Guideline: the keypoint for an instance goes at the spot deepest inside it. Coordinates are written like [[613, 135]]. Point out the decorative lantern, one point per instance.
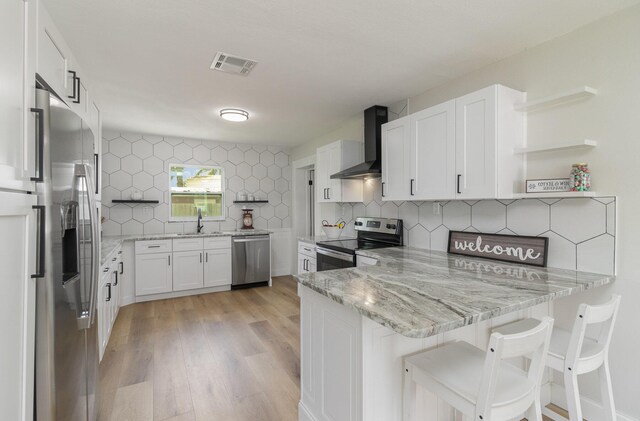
[[247, 219]]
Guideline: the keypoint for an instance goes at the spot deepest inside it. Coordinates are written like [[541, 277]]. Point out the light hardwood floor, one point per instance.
[[222, 356], [228, 356]]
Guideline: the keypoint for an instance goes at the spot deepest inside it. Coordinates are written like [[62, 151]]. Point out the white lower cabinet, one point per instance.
[[187, 270], [109, 298], [306, 257], [331, 369], [217, 267], [154, 274], [103, 310], [185, 264], [306, 264]]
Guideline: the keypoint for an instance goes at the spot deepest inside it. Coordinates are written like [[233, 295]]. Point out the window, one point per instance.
[[194, 187]]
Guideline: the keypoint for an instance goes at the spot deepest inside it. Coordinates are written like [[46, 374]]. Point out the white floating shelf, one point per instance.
[[556, 195], [550, 101], [586, 143]]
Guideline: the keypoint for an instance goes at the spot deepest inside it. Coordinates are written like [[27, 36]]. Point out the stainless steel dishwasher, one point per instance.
[[251, 255]]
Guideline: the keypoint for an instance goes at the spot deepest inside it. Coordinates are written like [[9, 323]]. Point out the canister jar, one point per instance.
[[580, 177]]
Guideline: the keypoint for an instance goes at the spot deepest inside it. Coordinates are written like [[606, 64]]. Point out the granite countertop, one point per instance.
[[111, 242], [312, 239], [420, 293]]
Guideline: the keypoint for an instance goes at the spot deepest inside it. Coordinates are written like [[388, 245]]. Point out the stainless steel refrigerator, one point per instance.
[[66, 327]]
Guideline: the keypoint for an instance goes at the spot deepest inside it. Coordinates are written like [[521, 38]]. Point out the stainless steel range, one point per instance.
[[372, 233]]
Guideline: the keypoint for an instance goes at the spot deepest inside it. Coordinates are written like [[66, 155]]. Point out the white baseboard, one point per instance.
[[303, 413], [177, 294], [281, 271], [125, 301], [591, 410]]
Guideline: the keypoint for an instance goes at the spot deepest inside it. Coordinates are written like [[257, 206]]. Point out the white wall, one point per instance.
[[604, 55]]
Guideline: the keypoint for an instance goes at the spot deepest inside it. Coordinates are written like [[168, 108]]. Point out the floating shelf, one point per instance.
[[136, 202], [250, 201], [555, 195], [549, 101], [557, 147]]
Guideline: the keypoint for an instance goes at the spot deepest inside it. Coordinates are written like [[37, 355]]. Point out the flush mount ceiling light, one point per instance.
[[234, 114]]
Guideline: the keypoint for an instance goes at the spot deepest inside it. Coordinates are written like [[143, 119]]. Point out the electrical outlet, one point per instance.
[[436, 208]]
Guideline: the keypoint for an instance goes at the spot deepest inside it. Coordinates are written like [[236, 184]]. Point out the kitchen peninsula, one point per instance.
[[358, 323]]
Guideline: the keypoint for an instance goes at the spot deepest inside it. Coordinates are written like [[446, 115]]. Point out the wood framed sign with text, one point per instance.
[[548, 185], [507, 248]]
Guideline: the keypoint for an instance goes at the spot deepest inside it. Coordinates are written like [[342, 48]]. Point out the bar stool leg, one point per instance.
[[535, 411], [409, 396], [573, 396], [606, 392]]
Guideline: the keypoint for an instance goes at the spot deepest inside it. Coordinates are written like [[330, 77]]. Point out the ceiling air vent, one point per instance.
[[232, 64]]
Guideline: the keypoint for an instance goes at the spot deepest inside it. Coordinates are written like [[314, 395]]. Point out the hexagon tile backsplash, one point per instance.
[[581, 231], [140, 162]]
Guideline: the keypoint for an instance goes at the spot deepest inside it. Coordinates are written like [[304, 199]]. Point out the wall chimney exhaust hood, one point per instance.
[[374, 118]]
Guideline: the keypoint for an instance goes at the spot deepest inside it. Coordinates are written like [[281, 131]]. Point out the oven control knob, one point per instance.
[[358, 223], [391, 227]]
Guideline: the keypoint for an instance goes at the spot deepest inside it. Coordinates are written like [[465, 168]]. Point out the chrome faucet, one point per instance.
[[200, 226]]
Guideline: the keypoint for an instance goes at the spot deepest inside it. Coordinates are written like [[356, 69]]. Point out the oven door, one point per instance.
[[330, 259]]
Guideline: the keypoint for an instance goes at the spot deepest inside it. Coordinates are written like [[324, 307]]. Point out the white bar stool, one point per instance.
[[573, 353], [478, 383]]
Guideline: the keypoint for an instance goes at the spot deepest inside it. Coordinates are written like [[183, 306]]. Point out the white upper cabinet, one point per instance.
[[460, 149], [396, 149], [17, 160], [487, 131], [433, 152], [59, 69], [53, 56], [331, 159]]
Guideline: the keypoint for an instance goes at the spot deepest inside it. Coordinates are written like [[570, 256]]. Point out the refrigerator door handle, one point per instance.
[[83, 171]]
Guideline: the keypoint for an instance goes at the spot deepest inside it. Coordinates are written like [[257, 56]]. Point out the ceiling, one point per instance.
[[319, 62]]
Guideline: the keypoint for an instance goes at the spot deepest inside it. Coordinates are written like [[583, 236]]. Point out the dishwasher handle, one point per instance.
[[250, 240]]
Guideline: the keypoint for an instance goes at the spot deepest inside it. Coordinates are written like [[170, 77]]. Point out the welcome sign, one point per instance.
[[507, 248]]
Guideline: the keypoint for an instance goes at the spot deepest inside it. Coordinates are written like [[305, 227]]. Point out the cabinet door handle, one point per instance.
[[109, 289], [200, 257], [115, 272], [328, 193], [411, 187], [382, 184], [77, 100], [42, 224], [39, 144], [458, 184], [74, 93], [206, 257], [169, 257], [121, 268], [153, 247]]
